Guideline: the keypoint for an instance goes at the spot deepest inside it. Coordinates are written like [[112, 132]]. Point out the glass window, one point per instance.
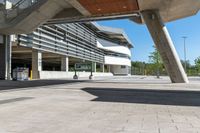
[[123, 67]]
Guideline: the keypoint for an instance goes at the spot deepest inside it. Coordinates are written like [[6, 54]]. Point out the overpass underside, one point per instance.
[[154, 13]]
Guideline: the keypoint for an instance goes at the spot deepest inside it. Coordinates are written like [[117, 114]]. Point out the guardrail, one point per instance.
[[17, 7]]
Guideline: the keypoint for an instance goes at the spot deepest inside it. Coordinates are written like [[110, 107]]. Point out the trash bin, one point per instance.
[[20, 74]]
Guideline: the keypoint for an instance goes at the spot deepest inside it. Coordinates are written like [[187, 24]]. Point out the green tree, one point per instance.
[[138, 68], [188, 65], [156, 60], [197, 63]]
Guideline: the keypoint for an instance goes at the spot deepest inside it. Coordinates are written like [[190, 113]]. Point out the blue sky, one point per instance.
[[143, 43]]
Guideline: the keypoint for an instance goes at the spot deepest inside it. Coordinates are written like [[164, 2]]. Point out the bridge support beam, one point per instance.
[[5, 57], [165, 46]]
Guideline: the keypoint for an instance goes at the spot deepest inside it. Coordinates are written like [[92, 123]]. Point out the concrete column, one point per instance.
[[94, 66], [36, 63], [5, 57], [64, 64], [165, 46], [109, 68], [103, 68], [8, 57]]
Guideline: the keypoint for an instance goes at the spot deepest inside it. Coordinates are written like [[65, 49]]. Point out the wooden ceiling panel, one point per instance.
[[100, 7]]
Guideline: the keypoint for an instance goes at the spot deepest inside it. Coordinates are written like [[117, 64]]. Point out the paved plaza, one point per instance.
[[136, 104]]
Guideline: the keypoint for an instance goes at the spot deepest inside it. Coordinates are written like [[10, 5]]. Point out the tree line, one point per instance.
[[156, 67]]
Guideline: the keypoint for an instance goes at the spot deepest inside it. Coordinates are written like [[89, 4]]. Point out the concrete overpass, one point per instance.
[[23, 18]]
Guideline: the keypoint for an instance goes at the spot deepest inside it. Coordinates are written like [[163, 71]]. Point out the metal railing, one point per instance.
[[17, 7], [19, 3]]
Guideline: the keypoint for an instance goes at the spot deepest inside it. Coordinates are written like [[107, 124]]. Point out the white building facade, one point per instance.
[[117, 47], [52, 51], [117, 58]]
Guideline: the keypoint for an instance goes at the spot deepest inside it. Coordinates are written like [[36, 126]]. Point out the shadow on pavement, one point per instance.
[[15, 100], [143, 96], [135, 82], [7, 85]]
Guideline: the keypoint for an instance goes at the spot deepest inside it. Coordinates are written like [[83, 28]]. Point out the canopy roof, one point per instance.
[[112, 33]]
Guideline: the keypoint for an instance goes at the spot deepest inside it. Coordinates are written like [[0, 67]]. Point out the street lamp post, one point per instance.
[[185, 56]]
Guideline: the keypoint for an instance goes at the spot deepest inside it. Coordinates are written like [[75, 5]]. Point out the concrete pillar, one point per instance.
[[94, 66], [103, 68], [165, 46], [109, 68], [36, 63], [64, 64], [5, 57], [8, 57]]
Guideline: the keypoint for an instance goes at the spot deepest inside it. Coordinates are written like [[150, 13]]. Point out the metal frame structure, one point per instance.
[[73, 40]]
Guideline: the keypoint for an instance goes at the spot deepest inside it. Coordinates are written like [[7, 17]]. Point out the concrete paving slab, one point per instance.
[[112, 105]]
